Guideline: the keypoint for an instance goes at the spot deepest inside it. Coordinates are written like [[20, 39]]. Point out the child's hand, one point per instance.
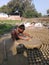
[[27, 39], [30, 36]]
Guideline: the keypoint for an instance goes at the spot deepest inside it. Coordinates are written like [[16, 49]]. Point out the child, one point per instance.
[[18, 33]]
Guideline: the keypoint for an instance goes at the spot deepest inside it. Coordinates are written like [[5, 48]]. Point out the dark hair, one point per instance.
[[22, 26]]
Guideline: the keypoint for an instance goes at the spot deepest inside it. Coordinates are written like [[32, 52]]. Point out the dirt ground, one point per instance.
[[7, 46]]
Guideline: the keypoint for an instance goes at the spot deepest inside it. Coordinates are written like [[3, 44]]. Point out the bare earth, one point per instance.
[[8, 49]]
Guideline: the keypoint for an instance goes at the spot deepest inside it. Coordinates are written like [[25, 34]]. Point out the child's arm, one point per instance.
[[23, 38], [12, 35], [26, 34]]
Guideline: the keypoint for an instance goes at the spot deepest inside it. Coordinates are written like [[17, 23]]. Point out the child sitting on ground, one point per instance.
[[18, 33]]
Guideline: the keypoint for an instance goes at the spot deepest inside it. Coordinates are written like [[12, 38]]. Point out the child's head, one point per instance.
[[21, 28]]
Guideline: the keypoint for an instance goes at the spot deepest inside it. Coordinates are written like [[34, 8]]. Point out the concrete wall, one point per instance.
[[24, 19], [11, 18], [35, 19]]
